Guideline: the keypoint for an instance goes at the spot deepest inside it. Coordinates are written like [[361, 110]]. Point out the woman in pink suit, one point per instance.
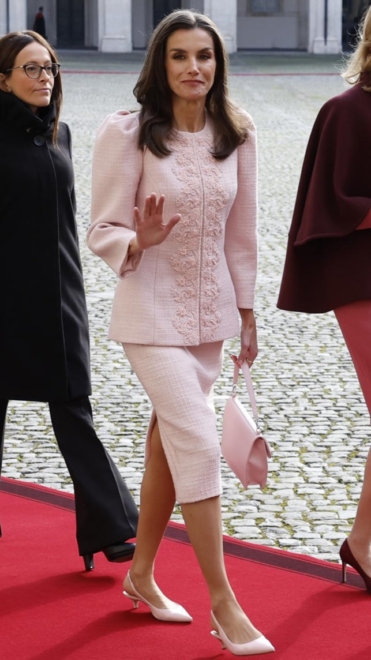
[[174, 214], [328, 261]]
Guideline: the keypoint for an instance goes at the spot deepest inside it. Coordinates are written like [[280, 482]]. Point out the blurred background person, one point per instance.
[[39, 24]]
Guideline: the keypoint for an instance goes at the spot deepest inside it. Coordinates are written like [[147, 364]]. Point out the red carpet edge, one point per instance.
[[274, 557]]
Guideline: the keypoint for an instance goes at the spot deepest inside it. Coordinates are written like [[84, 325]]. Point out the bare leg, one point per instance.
[[204, 526], [360, 536], [157, 500], [354, 320]]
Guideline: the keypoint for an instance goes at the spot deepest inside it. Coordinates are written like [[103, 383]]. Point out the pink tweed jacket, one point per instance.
[[187, 290]]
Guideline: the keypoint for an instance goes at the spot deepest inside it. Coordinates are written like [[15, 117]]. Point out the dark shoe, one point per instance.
[[117, 552], [346, 557]]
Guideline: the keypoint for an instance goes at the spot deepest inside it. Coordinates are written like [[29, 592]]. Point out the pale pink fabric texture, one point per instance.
[[187, 290], [176, 303], [179, 381], [355, 323]]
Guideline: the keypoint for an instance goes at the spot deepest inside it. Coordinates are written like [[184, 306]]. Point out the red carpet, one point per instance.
[[50, 609]]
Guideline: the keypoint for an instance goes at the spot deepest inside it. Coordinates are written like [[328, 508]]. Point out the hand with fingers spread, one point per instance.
[[150, 226]]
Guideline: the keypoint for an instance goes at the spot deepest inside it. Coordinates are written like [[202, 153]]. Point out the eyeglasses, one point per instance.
[[34, 70]]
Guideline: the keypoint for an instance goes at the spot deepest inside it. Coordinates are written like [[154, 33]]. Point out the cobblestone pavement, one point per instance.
[[308, 393]]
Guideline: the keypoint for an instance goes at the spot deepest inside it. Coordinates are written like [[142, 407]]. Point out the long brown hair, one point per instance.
[[359, 62], [153, 93], [12, 44]]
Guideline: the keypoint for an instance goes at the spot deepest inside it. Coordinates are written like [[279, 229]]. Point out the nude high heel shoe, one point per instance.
[[256, 647], [175, 613]]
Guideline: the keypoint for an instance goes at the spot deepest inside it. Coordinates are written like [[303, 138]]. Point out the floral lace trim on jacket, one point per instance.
[[199, 234]]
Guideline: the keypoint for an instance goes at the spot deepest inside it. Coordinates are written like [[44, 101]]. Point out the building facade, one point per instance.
[[316, 26]]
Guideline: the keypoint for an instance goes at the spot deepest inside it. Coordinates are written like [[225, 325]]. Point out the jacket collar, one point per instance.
[[17, 113]]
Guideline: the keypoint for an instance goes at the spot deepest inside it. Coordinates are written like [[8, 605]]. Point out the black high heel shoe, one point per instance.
[[346, 557], [117, 552]]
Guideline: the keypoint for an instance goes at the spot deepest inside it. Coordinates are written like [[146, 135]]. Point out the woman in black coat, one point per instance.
[[44, 340]]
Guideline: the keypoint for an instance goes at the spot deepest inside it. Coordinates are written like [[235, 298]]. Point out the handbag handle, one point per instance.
[[250, 388]]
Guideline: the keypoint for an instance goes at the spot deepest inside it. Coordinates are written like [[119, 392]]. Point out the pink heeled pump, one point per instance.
[[175, 613], [255, 647]]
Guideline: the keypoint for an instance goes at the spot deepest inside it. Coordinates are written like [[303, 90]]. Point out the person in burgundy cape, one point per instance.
[[328, 261]]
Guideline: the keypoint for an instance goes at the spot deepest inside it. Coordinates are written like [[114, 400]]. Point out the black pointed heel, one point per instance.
[[117, 552], [88, 561], [347, 557]]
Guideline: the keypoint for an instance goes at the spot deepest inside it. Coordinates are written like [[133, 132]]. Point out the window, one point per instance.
[[265, 6]]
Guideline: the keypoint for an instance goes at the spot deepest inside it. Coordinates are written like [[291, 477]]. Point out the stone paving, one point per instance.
[[314, 413]]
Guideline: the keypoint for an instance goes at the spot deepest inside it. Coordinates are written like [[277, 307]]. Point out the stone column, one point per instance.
[[325, 32], [13, 15], [224, 14], [115, 26]]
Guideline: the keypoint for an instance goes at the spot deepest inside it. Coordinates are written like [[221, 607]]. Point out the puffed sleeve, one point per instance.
[[241, 228], [117, 168]]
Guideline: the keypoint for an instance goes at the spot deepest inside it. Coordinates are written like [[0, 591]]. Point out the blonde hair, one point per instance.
[[359, 62]]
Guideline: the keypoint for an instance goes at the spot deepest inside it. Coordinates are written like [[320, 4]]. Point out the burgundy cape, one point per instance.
[[328, 262]]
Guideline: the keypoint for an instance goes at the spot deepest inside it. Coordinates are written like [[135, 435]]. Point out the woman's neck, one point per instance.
[[189, 116]]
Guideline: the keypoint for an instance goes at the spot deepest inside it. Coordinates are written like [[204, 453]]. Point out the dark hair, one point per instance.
[[153, 93], [12, 44]]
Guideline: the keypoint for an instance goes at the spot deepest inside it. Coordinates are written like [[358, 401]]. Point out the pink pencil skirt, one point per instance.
[[355, 323], [179, 382]]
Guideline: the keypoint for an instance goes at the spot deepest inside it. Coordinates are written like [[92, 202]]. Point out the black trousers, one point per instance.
[[105, 510]]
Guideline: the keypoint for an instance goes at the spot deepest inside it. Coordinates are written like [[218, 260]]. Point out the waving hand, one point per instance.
[[150, 226]]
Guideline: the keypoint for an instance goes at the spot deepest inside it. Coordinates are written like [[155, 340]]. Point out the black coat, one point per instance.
[[39, 24], [328, 261], [44, 340]]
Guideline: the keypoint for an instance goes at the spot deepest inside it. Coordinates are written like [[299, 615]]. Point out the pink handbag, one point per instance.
[[243, 446]]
